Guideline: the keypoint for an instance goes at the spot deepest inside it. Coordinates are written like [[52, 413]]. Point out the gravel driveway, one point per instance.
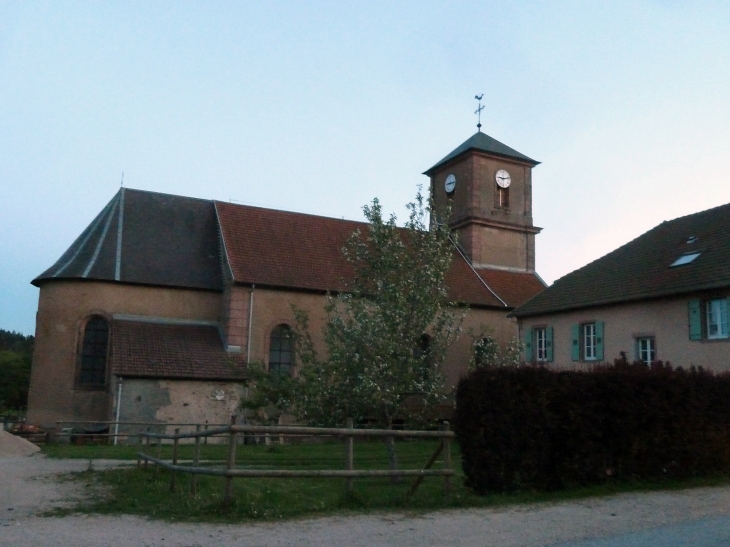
[[27, 486]]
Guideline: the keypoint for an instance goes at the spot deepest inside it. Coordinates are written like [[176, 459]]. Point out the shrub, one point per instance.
[[538, 428]]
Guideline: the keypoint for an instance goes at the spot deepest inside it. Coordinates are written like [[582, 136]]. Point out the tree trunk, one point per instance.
[[392, 457]]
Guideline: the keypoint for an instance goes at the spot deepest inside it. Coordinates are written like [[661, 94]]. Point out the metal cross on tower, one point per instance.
[[478, 111]]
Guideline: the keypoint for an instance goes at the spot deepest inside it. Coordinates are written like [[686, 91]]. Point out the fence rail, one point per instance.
[[347, 433]]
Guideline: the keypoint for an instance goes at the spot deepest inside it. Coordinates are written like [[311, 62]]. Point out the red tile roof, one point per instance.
[[293, 250], [161, 350], [515, 288]]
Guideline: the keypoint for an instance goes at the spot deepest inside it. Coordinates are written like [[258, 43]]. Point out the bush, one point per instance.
[[532, 427]]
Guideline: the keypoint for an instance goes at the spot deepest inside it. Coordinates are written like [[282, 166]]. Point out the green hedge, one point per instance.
[[536, 428]]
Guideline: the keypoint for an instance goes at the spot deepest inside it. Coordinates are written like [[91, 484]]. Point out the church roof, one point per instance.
[[165, 240], [146, 238], [144, 348], [293, 250], [681, 256], [483, 143]]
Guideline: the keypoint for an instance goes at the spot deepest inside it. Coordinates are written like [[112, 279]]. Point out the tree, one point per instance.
[[16, 352], [385, 338]]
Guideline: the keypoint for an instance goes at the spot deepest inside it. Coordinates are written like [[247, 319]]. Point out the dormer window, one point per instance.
[[684, 259]]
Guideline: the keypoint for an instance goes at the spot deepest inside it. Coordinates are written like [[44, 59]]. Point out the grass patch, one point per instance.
[[147, 493]]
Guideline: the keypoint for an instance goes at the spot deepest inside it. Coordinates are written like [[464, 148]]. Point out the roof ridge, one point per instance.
[[285, 212], [206, 200]]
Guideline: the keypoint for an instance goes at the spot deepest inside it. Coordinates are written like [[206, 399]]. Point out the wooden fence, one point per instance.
[[348, 434]]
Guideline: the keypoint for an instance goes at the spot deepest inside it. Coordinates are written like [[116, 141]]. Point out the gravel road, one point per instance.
[[28, 485]]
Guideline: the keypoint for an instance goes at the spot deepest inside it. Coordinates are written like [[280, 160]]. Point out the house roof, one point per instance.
[[148, 238], [483, 143], [642, 268], [256, 239], [141, 348]]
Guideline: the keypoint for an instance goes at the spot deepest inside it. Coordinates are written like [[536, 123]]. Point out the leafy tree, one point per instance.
[[385, 338], [488, 353], [16, 353]]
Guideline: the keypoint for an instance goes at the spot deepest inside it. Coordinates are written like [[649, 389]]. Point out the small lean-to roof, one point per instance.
[[144, 348], [642, 269], [296, 251], [146, 238], [483, 143]]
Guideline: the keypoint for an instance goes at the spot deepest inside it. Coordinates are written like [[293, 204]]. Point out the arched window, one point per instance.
[[92, 367], [281, 349], [423, 352]]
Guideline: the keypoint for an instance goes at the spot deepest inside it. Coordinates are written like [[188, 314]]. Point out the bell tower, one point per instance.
[[488, 186]]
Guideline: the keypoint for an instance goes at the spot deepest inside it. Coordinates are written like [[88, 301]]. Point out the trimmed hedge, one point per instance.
[[535, 428]]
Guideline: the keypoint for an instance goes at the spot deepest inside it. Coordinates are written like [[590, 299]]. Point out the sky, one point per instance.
[[319, 107]]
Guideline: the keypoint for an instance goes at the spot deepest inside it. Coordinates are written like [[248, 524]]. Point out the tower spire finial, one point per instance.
[[478, 111]]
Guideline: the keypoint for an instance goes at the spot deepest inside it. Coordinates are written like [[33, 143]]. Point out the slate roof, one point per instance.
[[147, 238], [297, 251], [484, 143], [145, 349], [641, 269]]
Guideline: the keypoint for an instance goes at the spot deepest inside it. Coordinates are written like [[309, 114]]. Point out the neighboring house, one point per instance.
[[663, 296], [153, 312]]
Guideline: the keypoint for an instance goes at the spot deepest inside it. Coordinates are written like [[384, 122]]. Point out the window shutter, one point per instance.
[[599, 340], [528, 345], [695, 320], [549, 343], [575, 350]]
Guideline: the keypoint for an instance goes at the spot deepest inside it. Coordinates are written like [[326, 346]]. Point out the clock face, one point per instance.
[[503, 178], [450, 184]]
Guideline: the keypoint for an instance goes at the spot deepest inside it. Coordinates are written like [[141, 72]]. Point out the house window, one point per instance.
[[92, 365], [587, 341], [538, 342], [541, 345], [281, 349], [717, 318], [646, 349], [501, 198]]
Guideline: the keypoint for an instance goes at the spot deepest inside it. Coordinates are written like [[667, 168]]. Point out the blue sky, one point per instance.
[[321, 106]]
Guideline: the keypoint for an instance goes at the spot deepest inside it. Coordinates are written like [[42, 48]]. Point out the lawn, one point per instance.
[[146, 492]]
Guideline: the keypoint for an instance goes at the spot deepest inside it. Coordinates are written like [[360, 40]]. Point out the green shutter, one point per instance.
[[527, 340], [549, 341], [695, 320], [599, 340], [575, 350]]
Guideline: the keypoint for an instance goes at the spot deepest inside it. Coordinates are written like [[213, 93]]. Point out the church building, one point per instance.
[[152, 314]]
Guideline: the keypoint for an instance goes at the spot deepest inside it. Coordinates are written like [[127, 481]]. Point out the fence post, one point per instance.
[[228, 494], [147, 448], [206, 428], [159, 454], [447, 458], [175, 442], [139, 449], [350, 461], [196, 461]]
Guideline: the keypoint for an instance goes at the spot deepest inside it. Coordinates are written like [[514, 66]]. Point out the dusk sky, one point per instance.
[[319, 107]]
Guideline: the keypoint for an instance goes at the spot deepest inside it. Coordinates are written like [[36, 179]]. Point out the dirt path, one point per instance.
[[27, 486]]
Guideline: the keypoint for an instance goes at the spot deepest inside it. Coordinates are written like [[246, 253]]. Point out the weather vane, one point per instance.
[[478, 111]]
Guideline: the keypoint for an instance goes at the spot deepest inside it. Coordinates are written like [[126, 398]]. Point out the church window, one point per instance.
[[423, 352], [281, 349], [94, 350], [502, 198]]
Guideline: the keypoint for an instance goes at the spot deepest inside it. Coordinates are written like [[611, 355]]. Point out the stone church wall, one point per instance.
[[163, 402], [62, 309]]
